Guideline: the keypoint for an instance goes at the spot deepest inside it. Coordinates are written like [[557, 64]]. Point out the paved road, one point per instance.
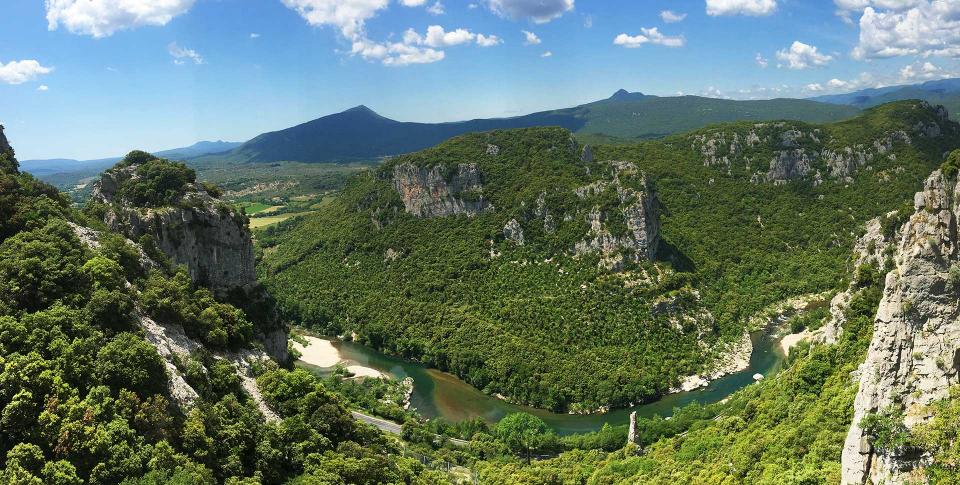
[[393, 428]]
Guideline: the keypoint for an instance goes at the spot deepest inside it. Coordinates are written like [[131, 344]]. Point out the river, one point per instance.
[[439, 394]]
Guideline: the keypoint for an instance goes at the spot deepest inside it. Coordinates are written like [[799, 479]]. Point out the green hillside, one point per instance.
[[540, 323]]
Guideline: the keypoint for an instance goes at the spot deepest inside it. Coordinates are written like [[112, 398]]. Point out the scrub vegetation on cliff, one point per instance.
[[509, 257]]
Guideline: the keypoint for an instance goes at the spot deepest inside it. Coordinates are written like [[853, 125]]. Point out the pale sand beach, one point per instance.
[[322, 353], [788, 341]]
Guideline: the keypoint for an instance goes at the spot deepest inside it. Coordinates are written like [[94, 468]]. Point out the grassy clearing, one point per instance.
[[261, 222]]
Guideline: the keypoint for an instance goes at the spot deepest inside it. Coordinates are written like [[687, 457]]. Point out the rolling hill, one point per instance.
[[361, 133]]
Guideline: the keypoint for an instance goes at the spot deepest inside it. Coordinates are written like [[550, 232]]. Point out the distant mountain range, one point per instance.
[[49, 170], [361, 133], [943, 91]]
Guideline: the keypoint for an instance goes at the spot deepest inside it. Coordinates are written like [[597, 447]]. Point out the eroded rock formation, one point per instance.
[[427, 192], [914, 355]]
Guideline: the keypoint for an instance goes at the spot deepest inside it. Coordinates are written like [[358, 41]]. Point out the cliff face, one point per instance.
[[639, 212], [914, 355], [202, 233], [426, 192]]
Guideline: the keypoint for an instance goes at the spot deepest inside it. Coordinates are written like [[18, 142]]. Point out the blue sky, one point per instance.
[[95, 78]]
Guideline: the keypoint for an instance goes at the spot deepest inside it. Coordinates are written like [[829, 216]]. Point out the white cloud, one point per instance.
[[530, 38], [924, 71], [102, 18], [181, 54], [741, 7], [547, 54], [539, 11], [254, 35], [837, 84], [19, 72], [437, 37], [348, 16], [412, 3], [488, 40], [436, 9], [588, 21], [802, 56], [670, 17], [713, 92], [649, 36], [761, 61], [43, 87], [815, 87], [908, 28]]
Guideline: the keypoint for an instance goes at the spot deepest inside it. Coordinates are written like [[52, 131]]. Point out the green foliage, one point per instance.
[[522, 432], [175, 300], [951, 165], [938, 438], [886, 430], [157, 183]]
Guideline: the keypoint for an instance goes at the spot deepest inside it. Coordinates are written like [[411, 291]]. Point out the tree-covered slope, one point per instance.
[[514, 260], [360, 133], [84, 395]]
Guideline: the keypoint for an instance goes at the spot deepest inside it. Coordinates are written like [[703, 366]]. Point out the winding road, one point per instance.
[[394, 428]]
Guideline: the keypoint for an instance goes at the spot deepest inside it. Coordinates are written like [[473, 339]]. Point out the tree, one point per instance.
[[522, 432]]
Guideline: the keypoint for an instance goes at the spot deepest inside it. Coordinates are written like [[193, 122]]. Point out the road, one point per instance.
[[394, 428]]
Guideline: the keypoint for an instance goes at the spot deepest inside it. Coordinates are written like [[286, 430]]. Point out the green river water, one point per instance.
[[439, 394]]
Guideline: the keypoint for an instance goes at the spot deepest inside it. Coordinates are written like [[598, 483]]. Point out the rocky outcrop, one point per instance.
[[735, 359], [639, 212], [513, 232], [204, 234], [813, 154], [427, 192], [914, 355], [4, 144], [586, 155]]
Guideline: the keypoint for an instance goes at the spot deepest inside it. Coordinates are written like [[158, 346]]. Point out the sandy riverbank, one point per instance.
[[322, 353]]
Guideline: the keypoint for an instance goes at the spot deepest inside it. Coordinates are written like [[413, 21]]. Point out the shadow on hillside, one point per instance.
[[666, 251]]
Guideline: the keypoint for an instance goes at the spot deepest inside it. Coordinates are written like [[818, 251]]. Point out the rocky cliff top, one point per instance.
[[4, 144]]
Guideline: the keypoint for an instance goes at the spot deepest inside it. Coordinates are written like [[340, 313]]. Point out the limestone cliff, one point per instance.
[[638, 211], [914, 354], [429, 192], [204, 234]]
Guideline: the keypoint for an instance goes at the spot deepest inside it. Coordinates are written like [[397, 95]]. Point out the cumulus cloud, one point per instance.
[[43, 87], [924, 71], [837, 84], [890, 28], [412, 3], [754, 8], [438, 37], [102, 18], [802, 56], [539, 11], [547, 54], [181, 54], [530, 38], [416, 48], [488, 40], [761, 61], [19, 72], [436, 9], [814, 87], [349, 16], [648, 36], [254, 35], [670, 17]]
